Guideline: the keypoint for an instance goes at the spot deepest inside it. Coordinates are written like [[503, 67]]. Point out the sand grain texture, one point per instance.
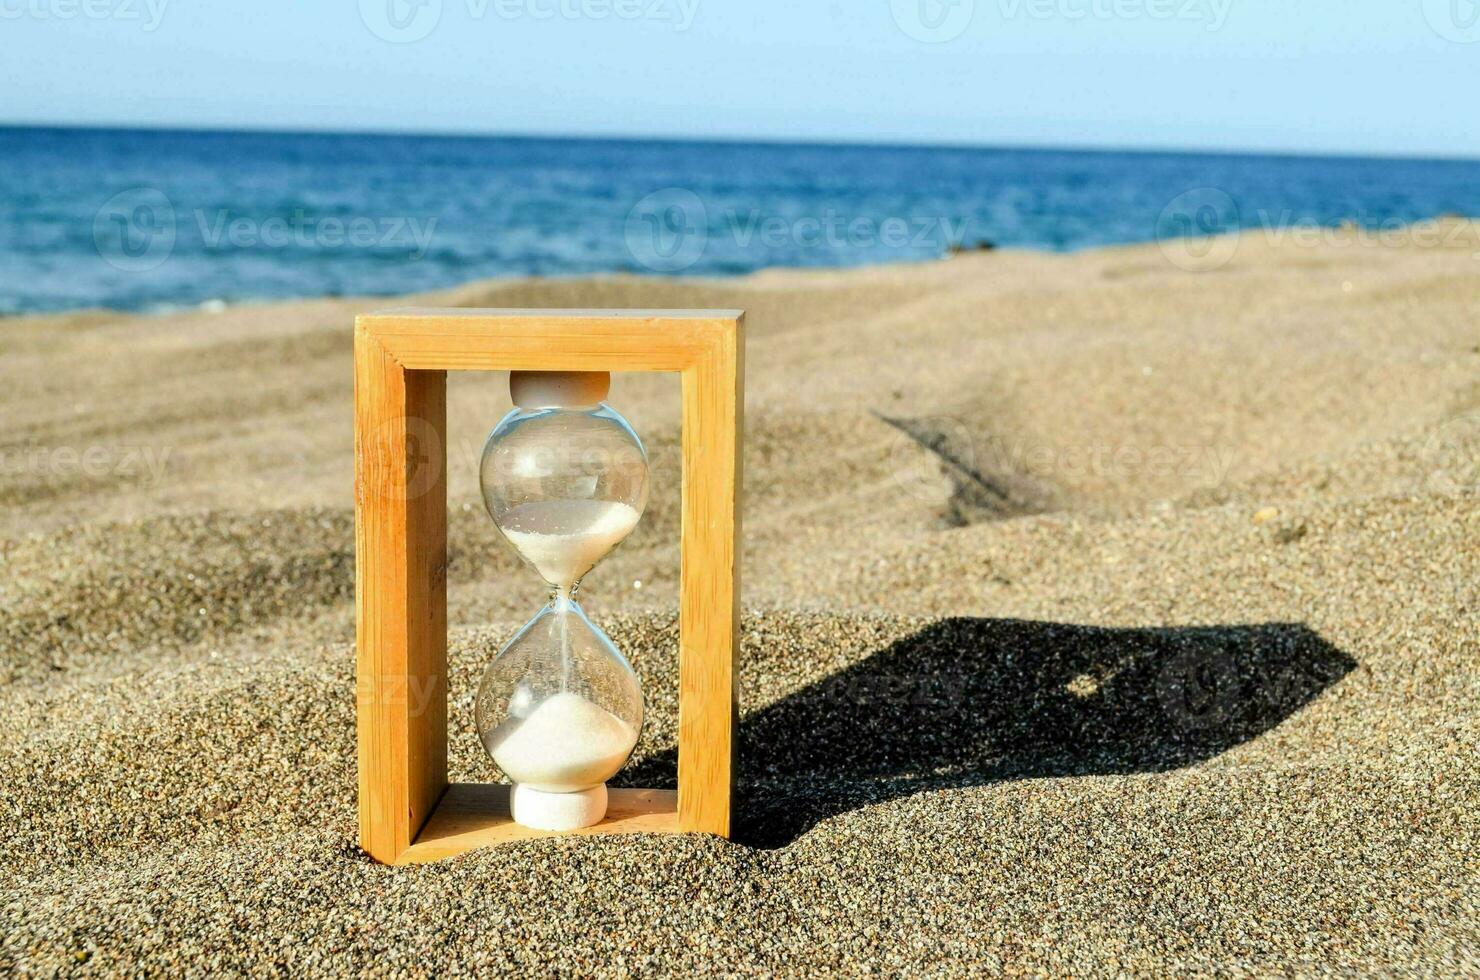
[[1100, 617]]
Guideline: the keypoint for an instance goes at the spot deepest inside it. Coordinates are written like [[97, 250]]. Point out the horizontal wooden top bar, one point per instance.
[[553, 340], [402, 312]]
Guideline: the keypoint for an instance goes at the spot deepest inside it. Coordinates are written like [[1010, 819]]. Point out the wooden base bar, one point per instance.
[[473, 815]]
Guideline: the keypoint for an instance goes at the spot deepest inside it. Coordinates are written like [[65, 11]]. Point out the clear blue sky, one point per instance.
[[1352, 76]]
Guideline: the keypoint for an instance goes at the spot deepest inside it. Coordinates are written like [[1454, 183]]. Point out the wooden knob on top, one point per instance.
[[558, 389]]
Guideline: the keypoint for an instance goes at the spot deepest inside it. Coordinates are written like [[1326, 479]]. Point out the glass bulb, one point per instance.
[[559, 710], [565, 486]]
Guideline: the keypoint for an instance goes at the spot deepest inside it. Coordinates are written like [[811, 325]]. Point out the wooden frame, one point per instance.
[[408, 811]]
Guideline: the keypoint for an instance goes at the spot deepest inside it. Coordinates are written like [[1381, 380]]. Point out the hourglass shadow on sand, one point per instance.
[[971, 702]]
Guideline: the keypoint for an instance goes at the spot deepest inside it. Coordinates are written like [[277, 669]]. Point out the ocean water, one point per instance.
[[140, 220]]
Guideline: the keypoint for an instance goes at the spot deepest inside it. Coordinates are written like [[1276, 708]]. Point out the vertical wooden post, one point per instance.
[[401, 596], [713, 420]]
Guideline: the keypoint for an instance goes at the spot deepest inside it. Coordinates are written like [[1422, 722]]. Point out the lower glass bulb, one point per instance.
[[559, 711]]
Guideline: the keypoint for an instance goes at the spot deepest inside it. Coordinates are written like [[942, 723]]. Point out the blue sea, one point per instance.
[[146, 220]]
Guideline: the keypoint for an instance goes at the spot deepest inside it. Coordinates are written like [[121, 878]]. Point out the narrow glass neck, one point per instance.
[[561, 596]]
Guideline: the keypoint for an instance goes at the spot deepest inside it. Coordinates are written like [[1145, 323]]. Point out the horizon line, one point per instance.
[[736, 140]]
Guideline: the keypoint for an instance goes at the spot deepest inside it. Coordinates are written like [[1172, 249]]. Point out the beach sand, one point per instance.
[[1099, 616]]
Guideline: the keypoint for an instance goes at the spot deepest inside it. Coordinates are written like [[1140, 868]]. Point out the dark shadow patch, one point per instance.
[[970, 702]]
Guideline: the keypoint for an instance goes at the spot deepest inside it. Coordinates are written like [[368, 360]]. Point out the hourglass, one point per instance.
[[565, 479]]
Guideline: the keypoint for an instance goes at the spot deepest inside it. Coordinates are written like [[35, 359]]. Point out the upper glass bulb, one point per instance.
[[565, 484]]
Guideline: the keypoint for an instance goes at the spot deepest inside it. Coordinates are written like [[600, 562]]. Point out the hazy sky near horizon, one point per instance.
[[1347, 76]]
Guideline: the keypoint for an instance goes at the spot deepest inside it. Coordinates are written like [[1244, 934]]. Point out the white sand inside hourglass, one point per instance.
[[566, 743], [562, 539]]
